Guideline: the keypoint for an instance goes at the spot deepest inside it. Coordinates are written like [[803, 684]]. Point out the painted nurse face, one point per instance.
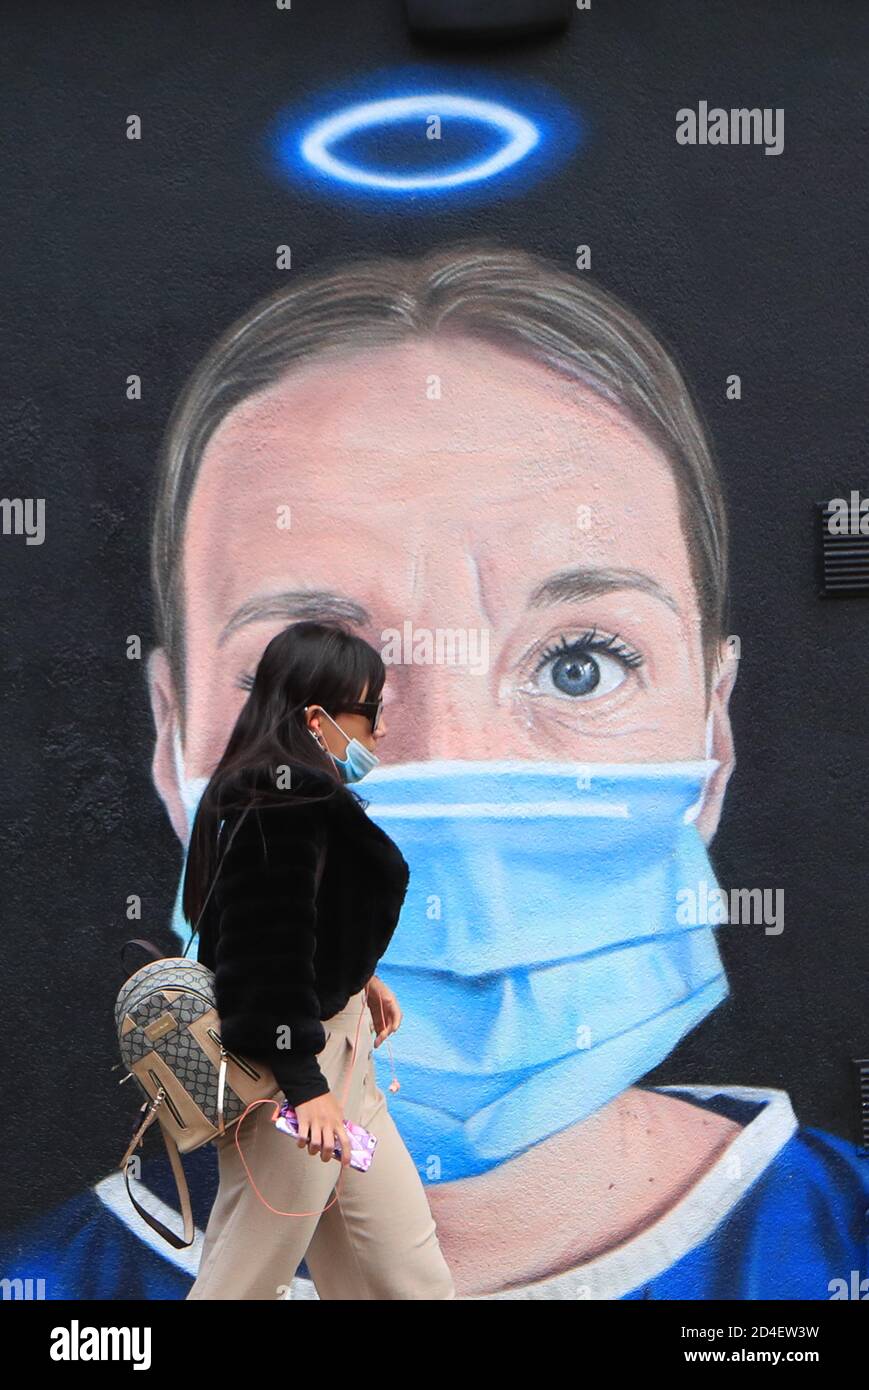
[[449, 486]]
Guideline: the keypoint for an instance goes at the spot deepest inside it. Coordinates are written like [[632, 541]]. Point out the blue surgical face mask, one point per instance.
[[543, 959], [358, 760]]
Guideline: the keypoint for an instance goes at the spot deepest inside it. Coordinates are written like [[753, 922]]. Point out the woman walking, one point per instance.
[[306, 900]]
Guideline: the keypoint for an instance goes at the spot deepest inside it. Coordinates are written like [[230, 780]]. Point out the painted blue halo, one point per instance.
[[522, 135]]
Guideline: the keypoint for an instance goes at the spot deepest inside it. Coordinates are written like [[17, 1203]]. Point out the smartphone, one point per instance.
[[362, 1144]]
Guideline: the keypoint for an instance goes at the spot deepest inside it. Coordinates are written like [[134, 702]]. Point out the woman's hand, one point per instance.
[[320, 1124], [385, 1009]]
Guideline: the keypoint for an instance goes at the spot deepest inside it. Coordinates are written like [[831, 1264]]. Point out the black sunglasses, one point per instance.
[[372, 708]]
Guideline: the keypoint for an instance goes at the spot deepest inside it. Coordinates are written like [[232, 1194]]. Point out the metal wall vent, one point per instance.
[[861, 1070], [843, 528]]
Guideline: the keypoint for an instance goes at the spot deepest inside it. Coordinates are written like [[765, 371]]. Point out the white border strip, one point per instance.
[[436, 767], [503, 810]]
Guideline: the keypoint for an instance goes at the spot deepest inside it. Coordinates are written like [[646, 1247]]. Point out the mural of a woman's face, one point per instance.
[[451, 485]]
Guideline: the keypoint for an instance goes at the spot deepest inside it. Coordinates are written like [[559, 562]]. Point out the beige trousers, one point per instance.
[[377, 1240]]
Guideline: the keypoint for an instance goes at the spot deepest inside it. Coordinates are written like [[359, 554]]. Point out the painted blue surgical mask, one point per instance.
[[358, 760], [540, 960], [190, 790]]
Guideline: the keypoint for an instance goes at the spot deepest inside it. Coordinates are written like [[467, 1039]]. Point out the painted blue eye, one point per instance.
[[520, 136], [590, 667], [576, 674]]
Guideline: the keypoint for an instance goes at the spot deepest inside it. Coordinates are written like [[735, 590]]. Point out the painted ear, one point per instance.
[[720, 744], [164, 708]]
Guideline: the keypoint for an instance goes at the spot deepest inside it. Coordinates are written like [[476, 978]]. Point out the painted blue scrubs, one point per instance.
[[788, 1220]]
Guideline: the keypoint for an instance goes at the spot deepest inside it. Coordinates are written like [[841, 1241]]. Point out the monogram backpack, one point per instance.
[[169, 1037]]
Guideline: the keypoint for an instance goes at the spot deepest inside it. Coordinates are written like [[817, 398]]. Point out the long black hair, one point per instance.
[[308, 663]]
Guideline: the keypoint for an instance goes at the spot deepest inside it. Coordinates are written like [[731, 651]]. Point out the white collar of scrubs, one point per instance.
[[692, 1219], [611, 1276]]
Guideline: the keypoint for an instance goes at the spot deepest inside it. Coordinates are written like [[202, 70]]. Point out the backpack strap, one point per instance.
[[321, 864], [153, 951], [180, 1184]]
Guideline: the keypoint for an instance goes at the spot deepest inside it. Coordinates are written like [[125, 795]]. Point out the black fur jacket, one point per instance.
[[306, 900]]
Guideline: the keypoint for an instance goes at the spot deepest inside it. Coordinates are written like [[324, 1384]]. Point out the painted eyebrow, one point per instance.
[[293, 604], [576, 584], [565, 587]]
